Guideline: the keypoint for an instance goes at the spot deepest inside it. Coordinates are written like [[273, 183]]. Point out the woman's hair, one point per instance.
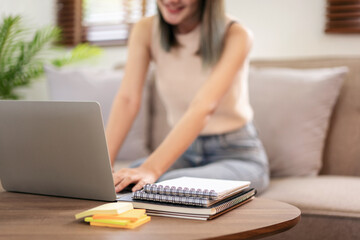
[[212, 15]]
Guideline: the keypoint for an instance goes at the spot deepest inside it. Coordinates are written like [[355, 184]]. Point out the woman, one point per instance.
[[201, 59]]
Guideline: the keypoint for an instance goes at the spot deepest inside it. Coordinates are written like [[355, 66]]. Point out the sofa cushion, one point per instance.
[[99, 85], [292, 111], [324, 195], [341, 153]]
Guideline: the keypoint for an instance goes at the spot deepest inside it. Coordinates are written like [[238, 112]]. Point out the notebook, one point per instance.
[[196, 216], [173, 208], [191, 191]]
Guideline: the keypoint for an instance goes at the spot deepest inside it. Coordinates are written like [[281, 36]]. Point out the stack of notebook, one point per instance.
[[115, 215], [193, 198]]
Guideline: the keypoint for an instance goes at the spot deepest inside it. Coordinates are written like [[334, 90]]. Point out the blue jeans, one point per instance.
[[236, 155]]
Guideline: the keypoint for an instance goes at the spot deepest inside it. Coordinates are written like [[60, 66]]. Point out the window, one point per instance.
[[106, 22], [343, 16]]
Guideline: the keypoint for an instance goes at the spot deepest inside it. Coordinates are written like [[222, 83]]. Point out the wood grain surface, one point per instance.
[[27, 216]]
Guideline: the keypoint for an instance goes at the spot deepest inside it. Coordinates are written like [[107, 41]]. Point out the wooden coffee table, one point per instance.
[[27, 216]]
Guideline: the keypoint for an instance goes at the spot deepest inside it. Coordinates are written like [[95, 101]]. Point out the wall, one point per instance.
[[39, 13], [291, 28], [35, 12], [282, 29]]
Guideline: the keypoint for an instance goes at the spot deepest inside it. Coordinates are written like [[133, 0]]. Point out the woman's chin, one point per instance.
[[173, 18]]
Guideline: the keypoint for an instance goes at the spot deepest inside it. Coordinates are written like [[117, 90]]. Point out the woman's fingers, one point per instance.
[[117, 179], [126, 176], [125, 182], [139, 185], [118, 176], [121, 174]]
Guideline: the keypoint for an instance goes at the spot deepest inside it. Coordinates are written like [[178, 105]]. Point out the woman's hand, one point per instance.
[[140, 176]]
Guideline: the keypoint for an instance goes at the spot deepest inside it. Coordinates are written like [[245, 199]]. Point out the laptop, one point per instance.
[[55, 148]]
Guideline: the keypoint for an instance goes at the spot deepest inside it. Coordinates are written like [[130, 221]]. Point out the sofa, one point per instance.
[[307, 112], [330, 199]]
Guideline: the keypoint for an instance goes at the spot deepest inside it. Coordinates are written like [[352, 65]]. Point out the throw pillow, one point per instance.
[[292, 109], [99, 85]]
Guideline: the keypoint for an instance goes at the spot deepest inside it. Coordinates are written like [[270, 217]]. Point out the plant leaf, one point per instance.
[[80, 52]]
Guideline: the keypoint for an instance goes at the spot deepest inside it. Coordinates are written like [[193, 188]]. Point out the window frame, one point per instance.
[[70, 21], [343, 16]]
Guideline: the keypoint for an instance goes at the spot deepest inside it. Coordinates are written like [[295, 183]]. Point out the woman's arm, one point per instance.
[[237, 44], [128, 99]]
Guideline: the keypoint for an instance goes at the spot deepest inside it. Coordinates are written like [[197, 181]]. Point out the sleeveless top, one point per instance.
[[179, 75]]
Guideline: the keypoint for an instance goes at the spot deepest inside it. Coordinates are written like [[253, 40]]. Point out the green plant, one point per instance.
[[78, 53], [22, 60]]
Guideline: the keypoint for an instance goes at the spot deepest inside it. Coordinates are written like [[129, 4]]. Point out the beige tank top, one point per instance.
[[179, 75]]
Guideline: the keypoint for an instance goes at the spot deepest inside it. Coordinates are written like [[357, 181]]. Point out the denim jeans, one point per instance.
[[236, 155]]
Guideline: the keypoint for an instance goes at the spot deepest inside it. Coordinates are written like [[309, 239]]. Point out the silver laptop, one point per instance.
[[55, 148]]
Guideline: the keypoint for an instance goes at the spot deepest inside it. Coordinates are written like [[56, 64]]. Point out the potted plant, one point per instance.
[[22, 58]]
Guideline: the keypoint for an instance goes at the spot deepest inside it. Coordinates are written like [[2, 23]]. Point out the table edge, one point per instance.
[[264, 231]]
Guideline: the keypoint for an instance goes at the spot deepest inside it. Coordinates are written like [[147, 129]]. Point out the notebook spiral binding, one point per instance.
[[142, 195], [201, 202], [181, 192]]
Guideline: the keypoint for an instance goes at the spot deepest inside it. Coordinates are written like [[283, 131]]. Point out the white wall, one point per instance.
[[291, 28], [35, 12]]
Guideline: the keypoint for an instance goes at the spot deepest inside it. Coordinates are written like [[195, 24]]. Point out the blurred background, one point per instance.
[[282, 28]]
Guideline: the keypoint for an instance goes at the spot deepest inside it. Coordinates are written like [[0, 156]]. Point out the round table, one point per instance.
[[26, 216]]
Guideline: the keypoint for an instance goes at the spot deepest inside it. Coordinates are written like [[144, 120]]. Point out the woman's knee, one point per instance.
[[255, 172], [261, 184]]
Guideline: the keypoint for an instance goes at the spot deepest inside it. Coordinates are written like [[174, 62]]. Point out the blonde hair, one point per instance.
[[212, 15]]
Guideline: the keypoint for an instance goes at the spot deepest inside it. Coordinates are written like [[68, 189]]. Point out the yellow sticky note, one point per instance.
[[107, 221], [108, 208], [130, 225], [132, 215]]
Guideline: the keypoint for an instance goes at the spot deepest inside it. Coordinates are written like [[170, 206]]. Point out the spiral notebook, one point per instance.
[[193, 201], [191, 190], [218, 213], [188, 211]]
